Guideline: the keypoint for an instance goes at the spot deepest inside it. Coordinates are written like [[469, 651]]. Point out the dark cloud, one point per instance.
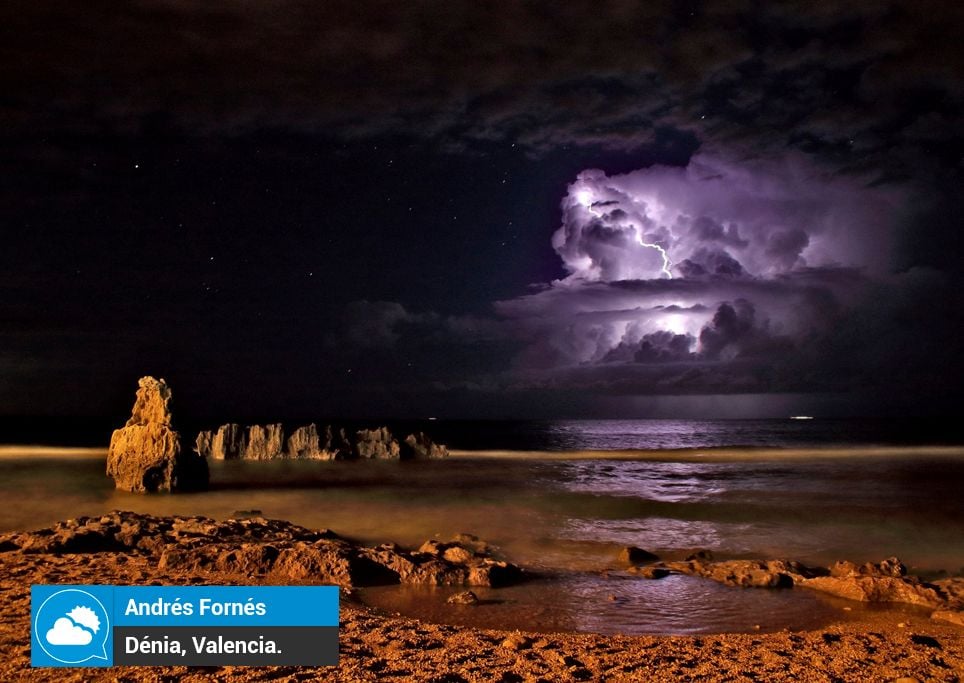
[[663, 346], [861, 84], [734, 332], [705, 261], [377, 324]]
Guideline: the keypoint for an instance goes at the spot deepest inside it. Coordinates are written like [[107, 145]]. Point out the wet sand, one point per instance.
[[884, 645]]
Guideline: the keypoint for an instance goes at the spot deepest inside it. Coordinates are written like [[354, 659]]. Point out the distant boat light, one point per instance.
[[432, 419], [801, 417]]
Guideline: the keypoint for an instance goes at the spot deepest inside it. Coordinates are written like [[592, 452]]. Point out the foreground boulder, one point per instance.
[[145, 455], [272, 550]]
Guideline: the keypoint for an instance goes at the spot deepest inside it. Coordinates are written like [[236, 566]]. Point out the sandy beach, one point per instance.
[[888, 644]]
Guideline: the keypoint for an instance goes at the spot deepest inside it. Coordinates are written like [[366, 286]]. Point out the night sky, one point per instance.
[[482, 209]]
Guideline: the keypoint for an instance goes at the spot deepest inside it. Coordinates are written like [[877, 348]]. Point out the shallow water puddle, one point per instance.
[[617, 603]]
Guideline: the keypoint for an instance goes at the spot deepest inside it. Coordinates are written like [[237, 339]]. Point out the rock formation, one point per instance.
[[227, 443], [145, 455], [885, 581], [268, 442], [377, 444], [271, 550], [264, 442], [337, 443], [303, 443], [420, 446]]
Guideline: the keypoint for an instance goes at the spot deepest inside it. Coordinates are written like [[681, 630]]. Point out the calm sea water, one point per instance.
[[563, 498]]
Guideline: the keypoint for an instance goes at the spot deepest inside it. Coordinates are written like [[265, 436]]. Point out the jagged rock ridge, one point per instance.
[[268, 442]]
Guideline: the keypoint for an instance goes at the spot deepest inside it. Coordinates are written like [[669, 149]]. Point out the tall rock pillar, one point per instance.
[[145, 454]]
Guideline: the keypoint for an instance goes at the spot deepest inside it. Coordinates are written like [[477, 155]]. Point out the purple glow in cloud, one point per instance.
[[719, 219], [713, 264]]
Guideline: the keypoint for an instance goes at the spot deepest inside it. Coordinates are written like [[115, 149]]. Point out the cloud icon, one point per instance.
[[65, 632]]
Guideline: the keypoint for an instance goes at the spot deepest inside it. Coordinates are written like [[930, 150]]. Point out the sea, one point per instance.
[[561, 498]]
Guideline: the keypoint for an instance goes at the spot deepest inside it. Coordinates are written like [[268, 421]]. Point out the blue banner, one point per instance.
[[101, 625]]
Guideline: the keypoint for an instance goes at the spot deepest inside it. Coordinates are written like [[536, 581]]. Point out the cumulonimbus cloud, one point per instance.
[[714, 218], [718, 276], [708, 264]]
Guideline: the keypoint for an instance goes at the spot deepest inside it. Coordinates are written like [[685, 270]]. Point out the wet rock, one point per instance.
[[494, 573], [700, 556], [376, 444], [633, 555], [420, 446], [889, 568], [773, 574], [463, 598], [650, 572], [145, 455], [745, 573], [414, 568], [879, 588], [480, 568], [884, 581]]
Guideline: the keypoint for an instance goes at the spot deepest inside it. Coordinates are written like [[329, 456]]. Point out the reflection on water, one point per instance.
[[670, 482], [617, 603], [565, 516]]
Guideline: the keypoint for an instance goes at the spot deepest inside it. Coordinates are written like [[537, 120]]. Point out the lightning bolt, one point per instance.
[[662, 252], [584, 199]]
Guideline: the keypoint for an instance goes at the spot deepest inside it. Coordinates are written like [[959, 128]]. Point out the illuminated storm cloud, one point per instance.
[[713, 264]]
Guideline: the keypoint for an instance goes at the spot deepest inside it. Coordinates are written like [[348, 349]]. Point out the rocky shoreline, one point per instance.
[[269, 551], [124, 547], [146, 454], [877, 582]]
